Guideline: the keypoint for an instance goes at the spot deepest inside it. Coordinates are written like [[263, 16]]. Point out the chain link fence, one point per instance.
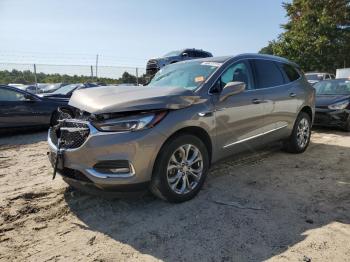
[[33, 74]]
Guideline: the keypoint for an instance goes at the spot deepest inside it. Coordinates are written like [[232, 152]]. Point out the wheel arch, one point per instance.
[[199, 132], [307, 110]]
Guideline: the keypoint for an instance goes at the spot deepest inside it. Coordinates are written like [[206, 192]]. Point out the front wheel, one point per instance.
[[300, 137], [180, 169]]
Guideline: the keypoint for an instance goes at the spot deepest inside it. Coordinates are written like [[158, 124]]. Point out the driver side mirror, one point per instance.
[[29, 98], [232, 88], [184, 54]]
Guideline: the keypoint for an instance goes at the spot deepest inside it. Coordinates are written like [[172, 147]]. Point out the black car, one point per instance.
[[19, 109], [153, 65], [333, 103], [65, 92]]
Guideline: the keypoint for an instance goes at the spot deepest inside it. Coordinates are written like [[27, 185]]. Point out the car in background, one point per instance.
[[314, 77], [65, 92], [333, 103], [153, 65], [166, 135], [51, 87], [20, 109], [343, 73]]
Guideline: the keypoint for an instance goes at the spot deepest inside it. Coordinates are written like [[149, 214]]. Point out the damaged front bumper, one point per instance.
[[332, 117], [106, 161]]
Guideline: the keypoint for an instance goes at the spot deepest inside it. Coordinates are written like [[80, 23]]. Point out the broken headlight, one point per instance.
[[130, 123]]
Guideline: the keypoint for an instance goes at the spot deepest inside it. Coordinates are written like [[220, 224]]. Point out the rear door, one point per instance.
[[239, 118], [280, 94]]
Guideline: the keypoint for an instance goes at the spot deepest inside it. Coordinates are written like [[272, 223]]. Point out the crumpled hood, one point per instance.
[[326, 100], [112, 99]]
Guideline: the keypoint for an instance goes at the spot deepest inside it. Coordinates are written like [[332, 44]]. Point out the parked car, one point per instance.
[[314, 77], [153, 65], [22, 109], [333, 103], [51, 87], [343, 73], [165, 136], [65, 92]]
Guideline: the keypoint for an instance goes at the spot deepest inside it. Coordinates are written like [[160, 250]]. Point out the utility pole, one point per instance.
[[96, 66], [92, 73], [137, 76], [35, 79]]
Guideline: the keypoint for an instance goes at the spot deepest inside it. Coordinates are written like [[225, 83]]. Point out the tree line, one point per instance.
[[316, 35], [28, 77]]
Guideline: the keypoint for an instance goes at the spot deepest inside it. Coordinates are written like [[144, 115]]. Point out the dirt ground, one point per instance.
[[267, 205]]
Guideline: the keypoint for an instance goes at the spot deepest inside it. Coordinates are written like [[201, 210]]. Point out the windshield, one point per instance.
[[64, 90], [173, 53], [333, 87], [188, 75], [317, 77]]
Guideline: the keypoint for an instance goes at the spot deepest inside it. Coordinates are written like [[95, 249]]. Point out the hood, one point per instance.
[[326, 100], [112, 99]]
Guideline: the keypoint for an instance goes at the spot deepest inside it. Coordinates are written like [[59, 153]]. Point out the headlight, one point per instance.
[[339, 105], [131, 123]]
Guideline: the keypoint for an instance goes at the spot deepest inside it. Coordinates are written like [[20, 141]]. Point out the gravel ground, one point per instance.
[[266, 205]]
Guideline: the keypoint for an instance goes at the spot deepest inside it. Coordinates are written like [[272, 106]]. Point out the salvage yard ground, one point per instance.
[[267, 205]]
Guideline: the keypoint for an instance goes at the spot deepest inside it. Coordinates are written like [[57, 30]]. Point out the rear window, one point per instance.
[[291, 73], [267, 74]]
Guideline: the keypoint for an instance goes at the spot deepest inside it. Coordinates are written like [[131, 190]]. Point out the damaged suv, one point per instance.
[[166, 135]]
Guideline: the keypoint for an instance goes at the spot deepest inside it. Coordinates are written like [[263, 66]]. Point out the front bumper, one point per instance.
[[139, 148], [330, 117]]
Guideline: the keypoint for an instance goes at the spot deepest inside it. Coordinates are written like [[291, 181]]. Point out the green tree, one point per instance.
[[316, 36]]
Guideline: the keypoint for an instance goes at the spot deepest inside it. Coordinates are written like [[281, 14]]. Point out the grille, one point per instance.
[[73, 133], [74, 174]]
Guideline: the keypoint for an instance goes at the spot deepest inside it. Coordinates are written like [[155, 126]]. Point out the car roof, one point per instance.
[[223, 59]]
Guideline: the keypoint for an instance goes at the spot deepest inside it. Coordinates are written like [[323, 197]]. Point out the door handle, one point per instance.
[[292, 94], [256, 101]]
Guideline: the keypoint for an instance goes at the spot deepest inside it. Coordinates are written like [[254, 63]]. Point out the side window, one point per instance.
[[190, 53], [201, 54], [238, 72], [11, 95], [267, 74], [291, 73]]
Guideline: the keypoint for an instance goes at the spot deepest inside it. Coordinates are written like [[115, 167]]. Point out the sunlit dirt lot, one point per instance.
[[264, 205]]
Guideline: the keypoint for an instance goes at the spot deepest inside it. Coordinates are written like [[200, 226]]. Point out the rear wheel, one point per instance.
[[300, 137], [180, 169]]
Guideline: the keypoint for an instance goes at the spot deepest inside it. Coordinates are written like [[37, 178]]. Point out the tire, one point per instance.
[[300, 137], [347, 125], [171, 174]]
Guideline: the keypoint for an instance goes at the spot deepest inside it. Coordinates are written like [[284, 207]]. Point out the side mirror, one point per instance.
[[232, 88], [29, 98], [184, 54]]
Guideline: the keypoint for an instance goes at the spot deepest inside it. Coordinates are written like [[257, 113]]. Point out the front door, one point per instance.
[[240, 117]]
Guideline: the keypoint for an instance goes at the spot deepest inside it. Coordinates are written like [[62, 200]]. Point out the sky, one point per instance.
[[130, 32]]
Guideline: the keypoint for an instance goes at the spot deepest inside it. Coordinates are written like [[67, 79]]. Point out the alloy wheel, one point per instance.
[[185, 169], [303, 133]]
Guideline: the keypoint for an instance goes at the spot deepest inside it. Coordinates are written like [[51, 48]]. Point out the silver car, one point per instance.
[[166, 135]]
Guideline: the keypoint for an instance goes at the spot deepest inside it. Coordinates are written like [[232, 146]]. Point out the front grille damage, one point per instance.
[[71, 132]]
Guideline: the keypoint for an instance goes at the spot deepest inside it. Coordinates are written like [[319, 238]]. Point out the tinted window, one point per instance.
[[11, 95], [267, 74], [190, 53], [201, 54], [236, 73], [291, 73]]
